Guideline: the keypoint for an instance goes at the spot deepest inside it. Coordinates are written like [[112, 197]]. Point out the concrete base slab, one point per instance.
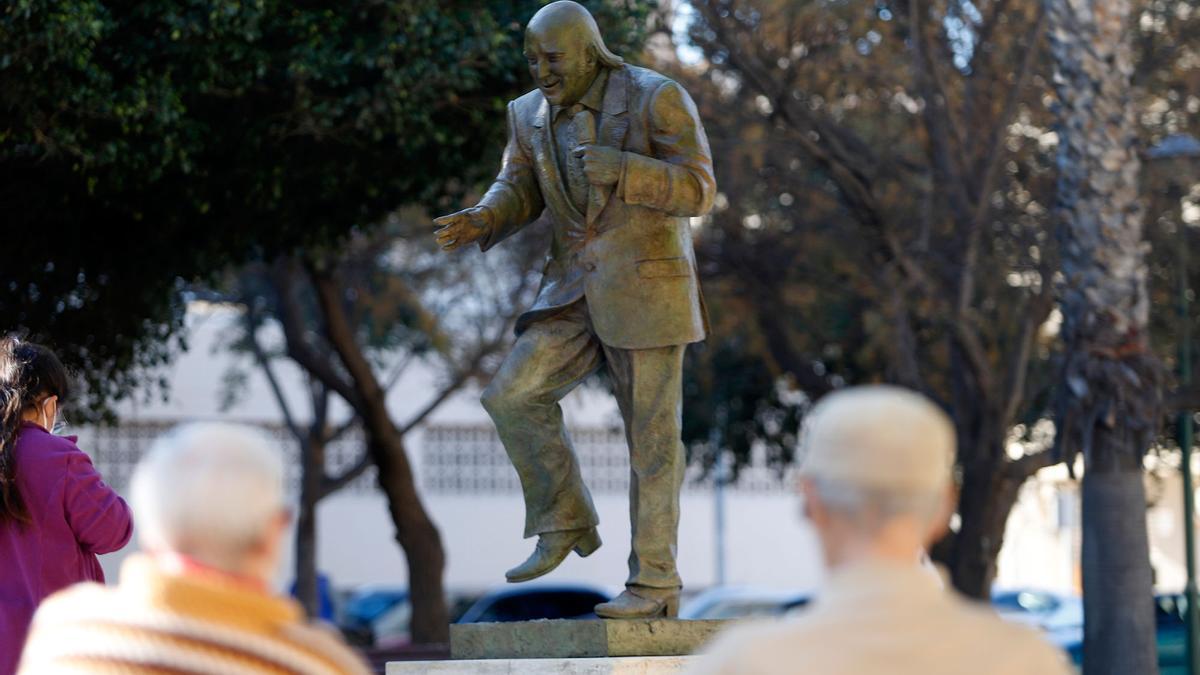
[[580, 639], [628, 665]]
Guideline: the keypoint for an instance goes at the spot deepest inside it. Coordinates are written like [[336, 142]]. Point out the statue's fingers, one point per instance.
[[443, 221]]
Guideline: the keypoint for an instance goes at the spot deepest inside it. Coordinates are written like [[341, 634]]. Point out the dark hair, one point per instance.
[[28, 374]]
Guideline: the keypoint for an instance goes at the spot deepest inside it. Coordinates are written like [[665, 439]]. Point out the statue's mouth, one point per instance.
[[550, 87]]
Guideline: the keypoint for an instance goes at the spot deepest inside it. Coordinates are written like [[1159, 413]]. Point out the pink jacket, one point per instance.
[[74, 516]]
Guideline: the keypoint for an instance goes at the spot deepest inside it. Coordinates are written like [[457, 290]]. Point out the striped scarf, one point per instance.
[[159, 623]]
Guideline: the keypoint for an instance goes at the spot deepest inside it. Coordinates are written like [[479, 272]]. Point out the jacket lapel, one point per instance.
[[545, 159], [613, 125]]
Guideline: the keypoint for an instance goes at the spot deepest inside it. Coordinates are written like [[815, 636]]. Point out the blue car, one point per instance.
[[364, 607], [536, 602]]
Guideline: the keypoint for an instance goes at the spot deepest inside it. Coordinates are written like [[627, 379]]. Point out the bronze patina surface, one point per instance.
[[564, 638], [614, 157]]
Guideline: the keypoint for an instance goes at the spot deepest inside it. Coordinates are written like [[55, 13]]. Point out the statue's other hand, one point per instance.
[[601, 164], [464, 227]]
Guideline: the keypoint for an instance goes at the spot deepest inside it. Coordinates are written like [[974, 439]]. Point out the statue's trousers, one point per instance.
[[550, 358]]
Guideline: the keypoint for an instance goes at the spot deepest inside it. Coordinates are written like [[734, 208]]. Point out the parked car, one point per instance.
[[1047, 610], [324, 597], [735, 602], [381, 616], [367, 606], [527, 603]]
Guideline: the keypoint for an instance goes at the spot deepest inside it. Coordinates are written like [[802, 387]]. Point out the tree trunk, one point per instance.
[[1110, 391], [312, 463], [415, 531], [417, 535], [989, 492]]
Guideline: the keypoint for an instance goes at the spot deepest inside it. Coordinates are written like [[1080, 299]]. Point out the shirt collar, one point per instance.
[[875, 579], [592, 100], [204, 596]]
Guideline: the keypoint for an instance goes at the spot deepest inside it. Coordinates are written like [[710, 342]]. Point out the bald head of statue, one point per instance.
[[565, 51]]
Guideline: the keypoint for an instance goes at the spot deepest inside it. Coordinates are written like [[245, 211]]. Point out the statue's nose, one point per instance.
[[543, 69]]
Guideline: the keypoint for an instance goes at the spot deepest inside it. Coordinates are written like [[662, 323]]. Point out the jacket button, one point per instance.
[[591, 266]]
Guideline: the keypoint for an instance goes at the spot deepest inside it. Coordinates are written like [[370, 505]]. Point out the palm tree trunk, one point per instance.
[[1109, 395]]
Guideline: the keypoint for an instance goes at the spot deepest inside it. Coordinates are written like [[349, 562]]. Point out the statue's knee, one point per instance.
[[504, 401], [497, 400]]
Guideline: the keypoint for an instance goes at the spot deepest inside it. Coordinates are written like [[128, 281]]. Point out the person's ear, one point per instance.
[[274, 533], [813, 508], [940, 525]]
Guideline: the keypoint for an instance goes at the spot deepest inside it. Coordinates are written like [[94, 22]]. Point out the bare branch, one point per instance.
[[342, 428], [298, 347], [1032, 463], [264, 362], [987, 182], [332, 484], [398, 370], [939, 123], [1036, 313], [906, 361]]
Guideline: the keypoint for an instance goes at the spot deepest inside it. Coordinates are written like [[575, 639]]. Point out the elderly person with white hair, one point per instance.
[[209, 502], [876, 480]]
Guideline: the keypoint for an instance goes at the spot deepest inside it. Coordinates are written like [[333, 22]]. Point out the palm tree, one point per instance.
[[1110, 389]]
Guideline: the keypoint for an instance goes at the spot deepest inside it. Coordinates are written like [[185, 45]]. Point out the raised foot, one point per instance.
[[644, 604], [552, 548], [588, 543]]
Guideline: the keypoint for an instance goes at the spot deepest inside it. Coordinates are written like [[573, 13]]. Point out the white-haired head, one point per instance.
[[878, 459], [213, 493]]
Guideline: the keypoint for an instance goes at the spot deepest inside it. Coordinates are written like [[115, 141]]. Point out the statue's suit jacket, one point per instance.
[[630, 255]]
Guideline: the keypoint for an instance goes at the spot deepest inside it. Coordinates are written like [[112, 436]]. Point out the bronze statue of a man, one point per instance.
[[615, 158]]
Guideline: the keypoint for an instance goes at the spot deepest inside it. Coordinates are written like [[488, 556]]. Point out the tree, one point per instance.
[[1109, 402], [354, 321], [886, 177], [145, 145], [190, 136]]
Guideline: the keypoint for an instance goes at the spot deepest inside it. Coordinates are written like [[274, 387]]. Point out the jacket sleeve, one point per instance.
[[679, 178], [100, 519], [514, 198]]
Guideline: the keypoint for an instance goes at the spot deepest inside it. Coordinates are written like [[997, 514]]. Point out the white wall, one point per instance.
[[767, 544]]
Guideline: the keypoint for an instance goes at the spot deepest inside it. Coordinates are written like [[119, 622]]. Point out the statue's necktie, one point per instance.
[[581, 130]]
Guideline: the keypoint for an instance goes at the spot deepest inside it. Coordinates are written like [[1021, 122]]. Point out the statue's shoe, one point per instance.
[[552, 548], [645, 603]]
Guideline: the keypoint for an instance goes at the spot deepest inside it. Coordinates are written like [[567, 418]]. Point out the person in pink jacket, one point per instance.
[[56, 514]]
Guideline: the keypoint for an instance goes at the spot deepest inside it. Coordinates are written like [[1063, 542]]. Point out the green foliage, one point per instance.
[[147, 145]]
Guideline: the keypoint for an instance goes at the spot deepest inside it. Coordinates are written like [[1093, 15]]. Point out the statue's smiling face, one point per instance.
[[561, 62]]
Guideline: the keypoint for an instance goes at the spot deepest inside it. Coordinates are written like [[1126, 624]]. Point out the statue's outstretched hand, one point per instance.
[[464, 227]]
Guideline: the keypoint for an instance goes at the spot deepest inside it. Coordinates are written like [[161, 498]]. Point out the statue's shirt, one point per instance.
[[575, 125]]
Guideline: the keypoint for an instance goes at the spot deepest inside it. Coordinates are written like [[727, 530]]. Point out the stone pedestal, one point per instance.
[[580, 639], [597, 647], [627, 665]]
